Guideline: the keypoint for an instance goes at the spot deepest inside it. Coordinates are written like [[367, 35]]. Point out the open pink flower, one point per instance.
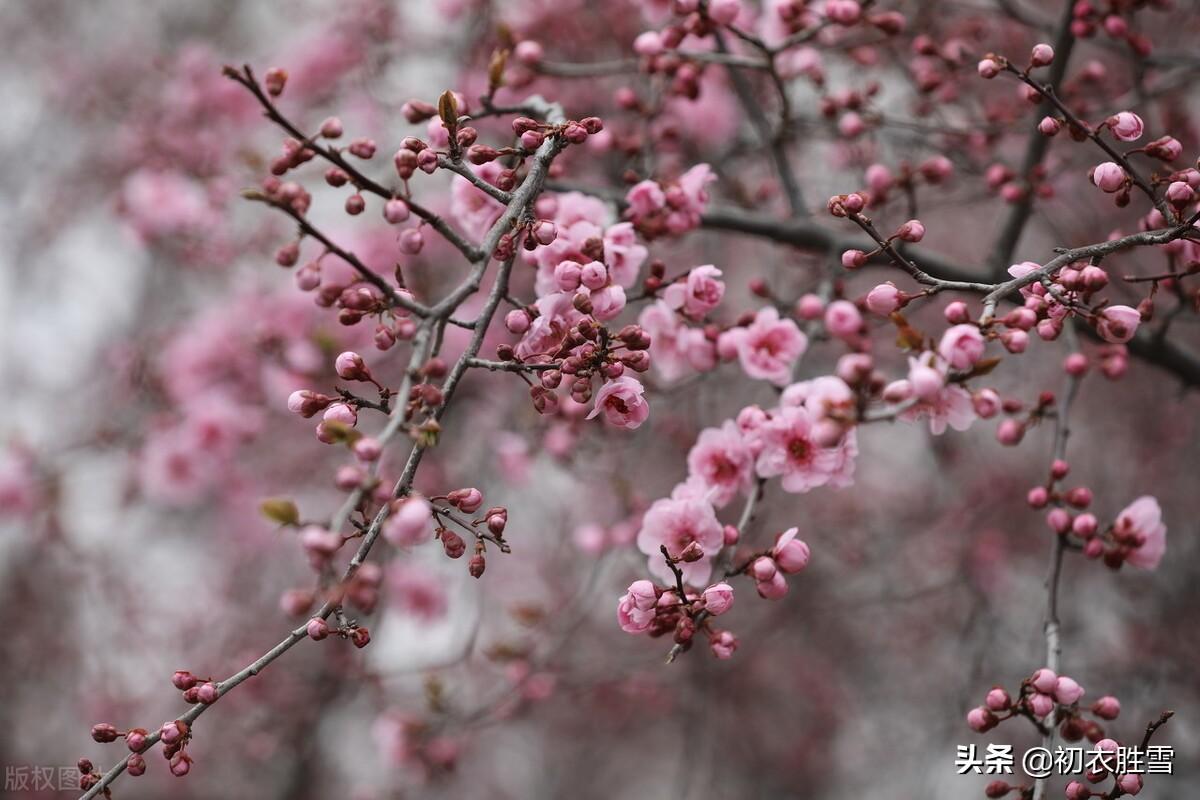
[[700, 293], [622, 402], [789, 452], [676, 522], [675, 348], [722, 460], [769, 346], [1143, 518]]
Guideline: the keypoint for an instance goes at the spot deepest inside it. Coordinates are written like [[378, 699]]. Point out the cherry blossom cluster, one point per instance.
[[1137, 536], [1050, 701], [173, 734]]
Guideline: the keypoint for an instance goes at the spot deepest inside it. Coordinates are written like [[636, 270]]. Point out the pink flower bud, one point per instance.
[[791, 554], [981, 720], [331, 128], [723, 645], [355, 204], [172, 732], [135, 765], [104, 732], [853, 259], [1015, 341], [1010, 432], [1118, 324], [1108, 176], [998, 700], [1049, 126], [989, 68], [926, 381], [410, 524], [362, 148], [275, 79], [1179, 194], [911, 231], [317, 629], [1126, 126], [594, 275], [1075, 364], [883, 299], [395, 211], [1037, 497], [1041, 704], [1107, 707], [341, 412], [1044, 680], [207, 693], [411, 241], [986, 403], [1042, 55], [1059, 520], [718, 598], [1130, 783], [135, 740], [183, 680], [529, 52], [1067, 691], [842, 319], [772, 589], [181, 764], [351, 367], [648, 43]]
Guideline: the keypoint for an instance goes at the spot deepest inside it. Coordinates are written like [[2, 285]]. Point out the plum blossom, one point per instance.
[[769, 346], [961, 346], [1118, 324], [675, 209], [622, 403], [790, 452], [722, 460], [1142, 521], [675, 348], [676, 522], [636, 608], [944, 404], [698, 294]]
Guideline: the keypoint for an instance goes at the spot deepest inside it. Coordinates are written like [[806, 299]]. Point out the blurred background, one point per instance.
[[148, 343]]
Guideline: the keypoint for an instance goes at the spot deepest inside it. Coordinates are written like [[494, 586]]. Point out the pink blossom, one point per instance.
[[636, 608], [1118, 324], [1142, 519], [790, 553], [675, 349], [1108, 176], [718, 598], [645, 198], [1126, 126], [842, 319], [411, 524], [723, 645], [943, 404], [769, 347], [789, 452], [677, 522], [698, 294], [622, 403], [961, 346], [722, 460]]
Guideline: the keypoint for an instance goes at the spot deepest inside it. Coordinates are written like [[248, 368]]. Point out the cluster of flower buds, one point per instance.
[[1050, 303], [657, 611], [318, 629], [174, 734], [1040, 696], [789, 556], [1090, 16], [882, 183], [588, 352], [1137, 535]]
